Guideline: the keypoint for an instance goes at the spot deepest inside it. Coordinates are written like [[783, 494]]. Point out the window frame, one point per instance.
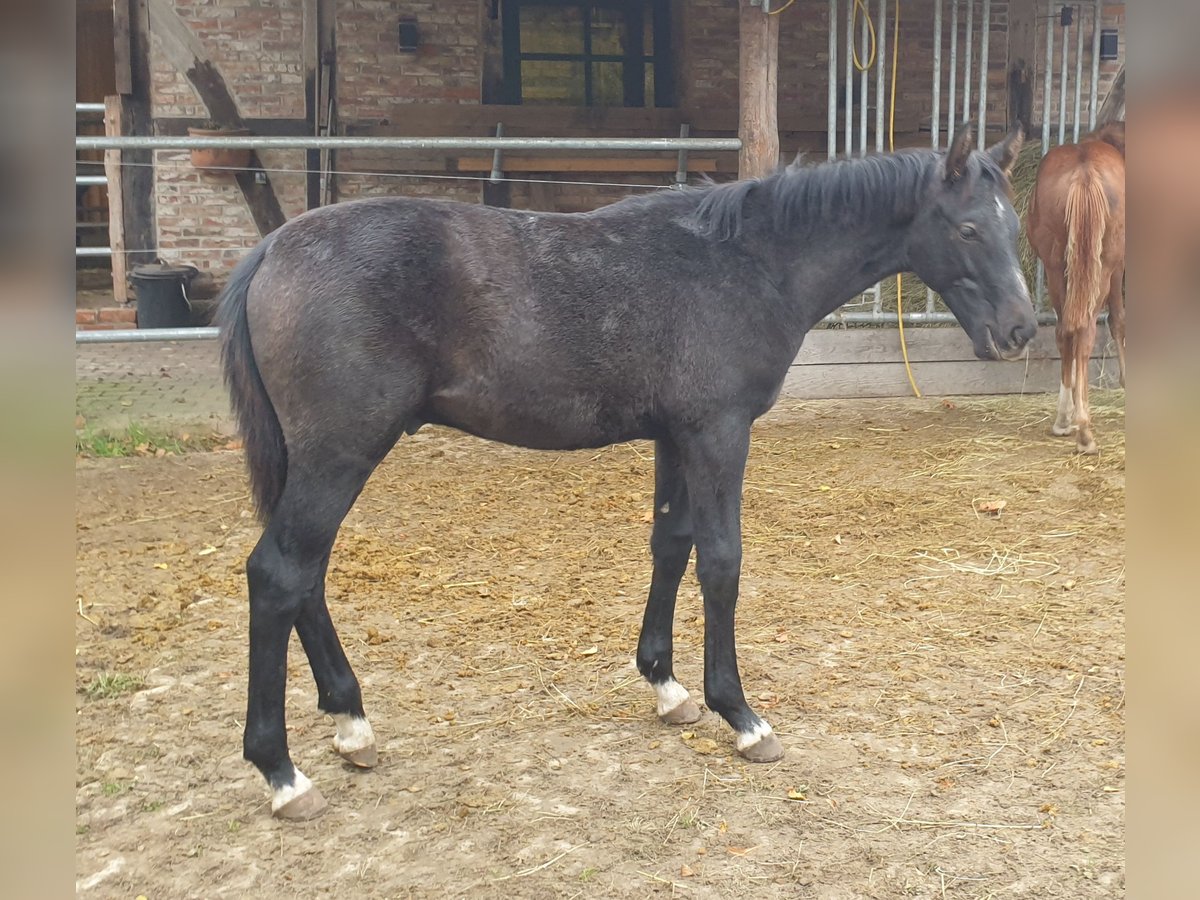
[[633, 62]]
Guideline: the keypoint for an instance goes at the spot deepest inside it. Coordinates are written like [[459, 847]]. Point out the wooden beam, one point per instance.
[[177, 126], [184, 50], [114, 124], [758, 65], [1113, 105], [1022, 56], [311, 56], [581, 164], [122, 48], [137, 173]]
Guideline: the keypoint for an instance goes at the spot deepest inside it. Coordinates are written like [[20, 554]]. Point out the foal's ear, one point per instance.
[[1006, 152], [960, 152]]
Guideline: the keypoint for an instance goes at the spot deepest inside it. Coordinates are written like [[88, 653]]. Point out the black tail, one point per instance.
[[266, 452]]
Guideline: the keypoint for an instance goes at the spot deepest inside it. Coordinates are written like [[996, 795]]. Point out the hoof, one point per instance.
[[365, 757], [307, 806], [1088, 449], [1062, 431], [766, 750], [685, 713]]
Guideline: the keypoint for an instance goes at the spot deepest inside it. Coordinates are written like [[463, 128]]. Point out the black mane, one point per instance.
[[884, 185]]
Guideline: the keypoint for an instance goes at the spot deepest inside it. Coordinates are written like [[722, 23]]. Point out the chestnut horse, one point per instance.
[[1076, 227]]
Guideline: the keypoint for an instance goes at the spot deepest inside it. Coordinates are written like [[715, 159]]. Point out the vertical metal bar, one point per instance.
[[1065, 54], [831, 139], [880, 104], [880, 80], [985, 28], [968, 37], [497, 158], [681, 161], [935, 121], [950, 107], [1094, 89], [850, 78], [1078, 73], [1048, 87], [862, 85]]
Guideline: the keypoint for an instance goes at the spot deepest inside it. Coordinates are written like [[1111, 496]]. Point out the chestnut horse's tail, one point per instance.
[[266, 452], [1087, 222]]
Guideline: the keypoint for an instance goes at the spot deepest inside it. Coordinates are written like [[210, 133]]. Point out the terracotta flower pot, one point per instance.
[[219, 158]]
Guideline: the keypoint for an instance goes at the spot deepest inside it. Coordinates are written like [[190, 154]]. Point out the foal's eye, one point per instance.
[[967, 232]]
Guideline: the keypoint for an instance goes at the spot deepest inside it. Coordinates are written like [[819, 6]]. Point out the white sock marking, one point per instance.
[[671, 694], [289, 792], [1066, 410], [353, 733], [749, 738]]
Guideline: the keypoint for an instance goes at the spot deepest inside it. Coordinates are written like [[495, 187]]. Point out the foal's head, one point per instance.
[[963, 244]]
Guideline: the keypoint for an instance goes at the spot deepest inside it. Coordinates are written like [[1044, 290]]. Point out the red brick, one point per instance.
[[85, 316], [118, 314]]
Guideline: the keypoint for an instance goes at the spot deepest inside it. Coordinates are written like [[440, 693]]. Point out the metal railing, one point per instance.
[[90, 111]]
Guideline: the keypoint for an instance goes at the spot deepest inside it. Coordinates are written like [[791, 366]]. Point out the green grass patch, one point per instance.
[[140, 440], [113, 684]]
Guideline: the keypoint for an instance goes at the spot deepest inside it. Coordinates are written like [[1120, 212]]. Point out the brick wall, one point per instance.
[[1112, 16], [202, 218]]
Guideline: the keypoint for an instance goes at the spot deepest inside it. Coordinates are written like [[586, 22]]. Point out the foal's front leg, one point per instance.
[[715, 463], [671, 545]]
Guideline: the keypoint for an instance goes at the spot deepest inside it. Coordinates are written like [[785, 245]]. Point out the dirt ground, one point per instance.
[[948, 683]]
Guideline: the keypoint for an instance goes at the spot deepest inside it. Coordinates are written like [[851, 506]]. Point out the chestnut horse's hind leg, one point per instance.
[[1064, 421], [1056, 287], [1084, 442], [286, 573], [714, 462], [1116, 317], [671, 545]]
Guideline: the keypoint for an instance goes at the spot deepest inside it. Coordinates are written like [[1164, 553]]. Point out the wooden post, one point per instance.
[[311, 52], [758, 64], [1113, 106], [114, 124], [1022, 52], [136, 182]]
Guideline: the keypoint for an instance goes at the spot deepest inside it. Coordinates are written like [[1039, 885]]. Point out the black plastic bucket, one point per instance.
[[162, 300]]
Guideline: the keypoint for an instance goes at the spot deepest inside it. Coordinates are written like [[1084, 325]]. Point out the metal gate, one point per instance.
[[959, 91]]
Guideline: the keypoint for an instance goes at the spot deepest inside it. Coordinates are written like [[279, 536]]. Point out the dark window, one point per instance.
[[614, 53]]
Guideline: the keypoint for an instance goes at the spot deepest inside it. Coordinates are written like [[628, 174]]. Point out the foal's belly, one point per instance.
[[541, 419]]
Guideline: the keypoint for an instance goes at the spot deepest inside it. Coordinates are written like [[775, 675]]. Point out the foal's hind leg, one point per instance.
[[671, 545], [338, 691], [715, 463], [286, 573]]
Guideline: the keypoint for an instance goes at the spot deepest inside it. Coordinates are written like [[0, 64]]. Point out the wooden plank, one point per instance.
[[177, 126], [114, 124], [581, 164], [451, 119], [758, 65], [122, 48], [470, 119]]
